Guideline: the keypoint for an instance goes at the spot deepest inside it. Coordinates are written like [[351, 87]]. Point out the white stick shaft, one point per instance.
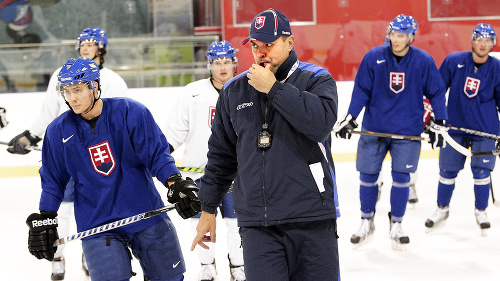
[[113, 225], [454, 144]]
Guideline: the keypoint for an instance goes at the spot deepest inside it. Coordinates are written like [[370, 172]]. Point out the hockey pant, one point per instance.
[[157, 248]]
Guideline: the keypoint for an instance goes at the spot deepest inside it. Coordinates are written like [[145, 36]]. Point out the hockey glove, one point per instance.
[[3, 118], [184, 194], [343, 128], [42, 235], [18, 143], [435, 138]]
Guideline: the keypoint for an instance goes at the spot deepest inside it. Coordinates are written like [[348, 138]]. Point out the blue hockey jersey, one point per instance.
[[392, 93], [112, 168], [474, 97]]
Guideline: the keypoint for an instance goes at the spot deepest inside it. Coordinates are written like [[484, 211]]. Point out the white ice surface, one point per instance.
[[455, 252]]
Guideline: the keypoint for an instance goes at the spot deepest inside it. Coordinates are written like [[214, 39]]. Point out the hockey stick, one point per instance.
[[492, 193], [191, 169], [392, 136], [37, 148], [474, 132], [453, 143], [443, 132], [113, 225], [463, 150]]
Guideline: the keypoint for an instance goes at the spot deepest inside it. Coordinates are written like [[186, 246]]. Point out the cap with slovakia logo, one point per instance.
[[268, 26]]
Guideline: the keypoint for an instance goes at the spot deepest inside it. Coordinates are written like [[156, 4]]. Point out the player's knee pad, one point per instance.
[[400, 179], [368, 179], [480, 173], [447, 177]]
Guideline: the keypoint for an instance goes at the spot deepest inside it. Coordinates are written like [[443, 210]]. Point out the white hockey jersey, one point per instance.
[[190, 122], [112, 85]]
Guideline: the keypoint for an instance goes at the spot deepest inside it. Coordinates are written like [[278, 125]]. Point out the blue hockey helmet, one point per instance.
[[96, 35], [76, 71], [484, 30], [403, 24], [220, 50]]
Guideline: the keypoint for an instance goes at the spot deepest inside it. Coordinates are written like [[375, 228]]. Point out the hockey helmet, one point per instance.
[[220, 50], [76, 71], [403, 24], [484, 30], [96, 35]]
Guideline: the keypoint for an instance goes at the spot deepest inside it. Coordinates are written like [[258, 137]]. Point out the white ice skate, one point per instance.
[[237, 273], [482, 221], [208, 272], [58, 269], [398, 238], [365, 232], [438, 219]]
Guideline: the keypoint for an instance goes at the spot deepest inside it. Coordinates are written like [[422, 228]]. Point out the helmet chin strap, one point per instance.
[[95, 100]]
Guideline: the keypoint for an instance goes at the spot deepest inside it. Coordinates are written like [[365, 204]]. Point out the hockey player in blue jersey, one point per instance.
[[111, 148], [390, 84], [473, 103], [91, 43]]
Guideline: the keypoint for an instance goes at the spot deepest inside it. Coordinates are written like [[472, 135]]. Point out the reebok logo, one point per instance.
[[175, 264], [46, 221], [65, 140], [460, 65], [380, 61]]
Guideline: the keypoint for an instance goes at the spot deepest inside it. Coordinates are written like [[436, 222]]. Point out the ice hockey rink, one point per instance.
[[456, 251]]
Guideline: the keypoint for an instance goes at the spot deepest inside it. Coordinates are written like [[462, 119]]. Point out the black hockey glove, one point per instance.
[[3, 118], [184, 194], [435, 138], [18, 143], [42, 235], [343, 128]]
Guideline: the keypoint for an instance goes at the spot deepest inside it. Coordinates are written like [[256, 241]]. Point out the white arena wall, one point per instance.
[[23, 108]]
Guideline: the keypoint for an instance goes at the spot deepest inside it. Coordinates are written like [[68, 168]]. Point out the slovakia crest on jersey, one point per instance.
[[211, 115], [102, 158], [471, 87], [397, 81], [259, 22]]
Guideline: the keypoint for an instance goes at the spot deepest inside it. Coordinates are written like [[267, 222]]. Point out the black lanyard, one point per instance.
[[264, 138]]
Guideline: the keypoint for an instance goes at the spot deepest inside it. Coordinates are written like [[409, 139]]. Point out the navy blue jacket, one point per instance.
[[276, 185]]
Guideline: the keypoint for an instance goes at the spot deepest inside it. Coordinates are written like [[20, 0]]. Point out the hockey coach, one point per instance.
[[271, 134]]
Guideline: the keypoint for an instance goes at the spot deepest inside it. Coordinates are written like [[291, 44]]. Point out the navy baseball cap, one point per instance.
[[269, 26]]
